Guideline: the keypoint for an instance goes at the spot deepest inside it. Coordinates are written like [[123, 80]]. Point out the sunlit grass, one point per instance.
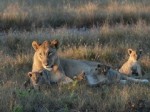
[[25, 14], [97, 30], [104, 44]]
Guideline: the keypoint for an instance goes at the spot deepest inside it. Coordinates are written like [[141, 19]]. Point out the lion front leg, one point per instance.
[[139, 71]]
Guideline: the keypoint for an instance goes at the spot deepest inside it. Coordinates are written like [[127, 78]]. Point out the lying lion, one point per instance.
[[45, 77], [132, 66], [46, 57], [109, 76]]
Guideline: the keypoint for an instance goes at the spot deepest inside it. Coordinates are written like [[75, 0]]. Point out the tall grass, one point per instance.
[[49, 13], [95, 30], [107, 44]]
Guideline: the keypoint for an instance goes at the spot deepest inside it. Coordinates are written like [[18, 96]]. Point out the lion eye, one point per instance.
[[134, 55]]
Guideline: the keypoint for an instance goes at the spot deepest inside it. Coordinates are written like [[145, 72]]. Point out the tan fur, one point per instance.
[[39, 78], [45, 57], [46, 77], [112, 76], [79, 77], [132, 66]]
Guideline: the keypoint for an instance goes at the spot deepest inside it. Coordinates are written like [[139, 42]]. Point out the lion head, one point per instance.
[[106, 74], [46, 53], [134, 55], [102, 69], [36, 78]]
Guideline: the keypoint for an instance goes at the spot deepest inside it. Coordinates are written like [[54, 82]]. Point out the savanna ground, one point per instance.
[[96, 30]]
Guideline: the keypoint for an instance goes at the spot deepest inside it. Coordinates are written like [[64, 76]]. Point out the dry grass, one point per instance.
[[115, 26], [104, 44], [29, 14]]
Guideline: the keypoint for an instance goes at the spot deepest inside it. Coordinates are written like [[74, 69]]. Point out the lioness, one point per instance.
[[132, 66], [46, 57]]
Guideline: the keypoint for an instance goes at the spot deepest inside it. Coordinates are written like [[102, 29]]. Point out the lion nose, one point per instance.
[[37, 80]]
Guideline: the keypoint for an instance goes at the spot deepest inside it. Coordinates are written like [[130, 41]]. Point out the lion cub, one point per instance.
[[39, 78], [132, 66], [113, 76]]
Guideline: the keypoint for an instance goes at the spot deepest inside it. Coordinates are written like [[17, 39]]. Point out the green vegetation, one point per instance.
[[96, 30]]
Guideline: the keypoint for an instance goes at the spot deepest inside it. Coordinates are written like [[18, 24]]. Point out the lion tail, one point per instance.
[[131, 79]]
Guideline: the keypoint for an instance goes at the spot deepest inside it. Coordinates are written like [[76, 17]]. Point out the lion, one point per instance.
[[111, 76], [46, 57], [132, 66], [45, 77], [39, 78]]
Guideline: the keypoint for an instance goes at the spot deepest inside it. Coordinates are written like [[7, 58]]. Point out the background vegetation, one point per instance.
[[20, 14], [96, 30]]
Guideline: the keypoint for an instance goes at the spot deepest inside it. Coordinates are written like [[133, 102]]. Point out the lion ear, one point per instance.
[[140, 51], [30, 74], [106, 67], [55, 43], [130, 51], [35, 45]]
